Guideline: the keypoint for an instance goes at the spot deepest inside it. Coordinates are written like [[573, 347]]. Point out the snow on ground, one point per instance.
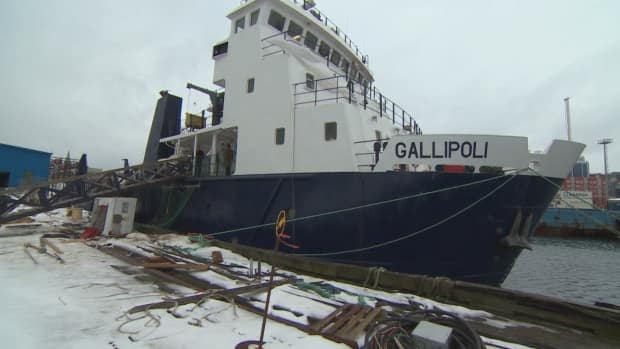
[[82, 303]]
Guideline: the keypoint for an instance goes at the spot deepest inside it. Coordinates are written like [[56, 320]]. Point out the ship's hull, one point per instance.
[[452, 240]]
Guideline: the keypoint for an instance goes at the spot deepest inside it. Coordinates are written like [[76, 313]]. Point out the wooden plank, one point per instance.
[[343, 319], [198, 297], [170, 265], [47, 242], [122, 254], [355, 319], [318, 326], [361, 325]]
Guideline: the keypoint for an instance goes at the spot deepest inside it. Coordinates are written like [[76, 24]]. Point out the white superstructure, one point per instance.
[[298, 96], [294, 95]]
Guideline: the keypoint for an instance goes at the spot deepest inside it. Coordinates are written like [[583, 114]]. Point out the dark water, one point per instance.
[[581, 270]]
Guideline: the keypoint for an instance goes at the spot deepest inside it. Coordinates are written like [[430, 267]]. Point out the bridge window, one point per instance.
[[335, 59], [310, 81], [239, 24], [331, 131], [254, 17], [220, 49], [295, 30], [324, 49], [280, 136], [276, 20], [250, 85], [310, 41]]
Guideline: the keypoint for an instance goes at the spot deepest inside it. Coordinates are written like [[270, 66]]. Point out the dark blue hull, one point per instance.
[[465, 247]]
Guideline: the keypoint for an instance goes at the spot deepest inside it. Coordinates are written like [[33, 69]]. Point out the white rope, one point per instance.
[[408, 236], [378, 203]]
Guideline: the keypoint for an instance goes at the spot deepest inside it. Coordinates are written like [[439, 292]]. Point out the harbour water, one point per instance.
[[581, 270]]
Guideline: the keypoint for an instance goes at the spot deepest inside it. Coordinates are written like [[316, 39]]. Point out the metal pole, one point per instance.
[[605, 164], [194, 156], [604, 142], [566, 102], [337, 88]]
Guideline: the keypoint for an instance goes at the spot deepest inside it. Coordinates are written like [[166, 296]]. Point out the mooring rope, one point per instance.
[[378, 203], [408, 236]]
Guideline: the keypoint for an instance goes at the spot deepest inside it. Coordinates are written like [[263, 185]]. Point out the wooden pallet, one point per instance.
[[347, 322]]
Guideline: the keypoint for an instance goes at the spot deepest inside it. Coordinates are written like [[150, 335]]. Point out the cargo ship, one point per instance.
[[298, 124], [582, 209]]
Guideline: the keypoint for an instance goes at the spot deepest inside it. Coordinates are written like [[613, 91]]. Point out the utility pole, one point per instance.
[[604, 142], [570, 138]]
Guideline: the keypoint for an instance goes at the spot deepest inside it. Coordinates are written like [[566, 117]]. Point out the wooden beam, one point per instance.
[[170, 265], [200, 296]]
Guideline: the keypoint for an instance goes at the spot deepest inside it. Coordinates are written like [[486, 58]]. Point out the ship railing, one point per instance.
[[270, 48], [341, 89], [308, 5], [368, 152]]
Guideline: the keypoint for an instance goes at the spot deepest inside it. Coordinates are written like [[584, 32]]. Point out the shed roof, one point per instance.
[[22, 148]]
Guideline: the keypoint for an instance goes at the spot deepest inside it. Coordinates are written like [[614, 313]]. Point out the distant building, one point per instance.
[[581, 168], [21, 166]]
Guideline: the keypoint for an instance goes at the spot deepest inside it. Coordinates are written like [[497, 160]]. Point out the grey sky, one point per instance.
[[83, 76]]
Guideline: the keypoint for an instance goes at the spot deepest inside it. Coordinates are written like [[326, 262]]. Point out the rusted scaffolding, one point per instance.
[[69, 191]]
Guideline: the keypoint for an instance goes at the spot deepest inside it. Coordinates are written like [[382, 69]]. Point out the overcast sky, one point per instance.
[[83, 76]]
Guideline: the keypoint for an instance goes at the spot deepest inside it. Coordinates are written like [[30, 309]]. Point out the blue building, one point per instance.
[[21, 166]]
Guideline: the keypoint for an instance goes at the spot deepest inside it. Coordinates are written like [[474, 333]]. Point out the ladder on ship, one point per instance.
[[74, 190]]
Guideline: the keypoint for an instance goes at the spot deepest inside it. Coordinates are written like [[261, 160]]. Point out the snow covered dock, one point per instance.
[[123, 293]]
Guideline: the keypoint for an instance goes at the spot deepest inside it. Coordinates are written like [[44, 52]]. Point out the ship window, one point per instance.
[[220, 49], [279, 136], [254, 17], [310, 81], [345, 66], [324, 49], [276, 20], [295, 30], [310, 41], [250, 85], [335, 59], [331, 131], [239, 24]]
